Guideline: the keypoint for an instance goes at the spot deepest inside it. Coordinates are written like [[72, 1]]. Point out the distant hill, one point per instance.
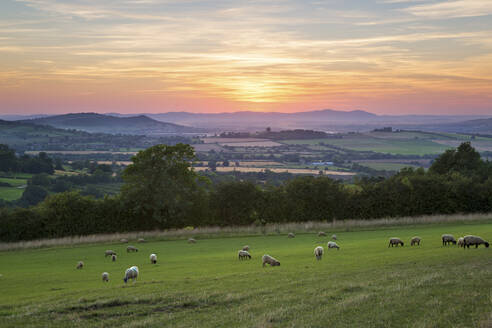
[[483, 126], [98, 123]]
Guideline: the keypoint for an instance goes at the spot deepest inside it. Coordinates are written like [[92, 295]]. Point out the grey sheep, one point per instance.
[[474, 241], [447, 239], [243, 255], [131, 273], [318, 252], [113, 257], [334, 237], [267, 259], [124, 240], [291, 235], [332, 244], [246, 248], [153, 258], [109, 253], [461, 242], [131, 249], [415, 241], [80, 265], [191, 241], [105, 276], [321, 234], [395, 241]]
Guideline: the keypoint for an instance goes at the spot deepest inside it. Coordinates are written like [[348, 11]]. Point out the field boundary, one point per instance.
[[269, 229]]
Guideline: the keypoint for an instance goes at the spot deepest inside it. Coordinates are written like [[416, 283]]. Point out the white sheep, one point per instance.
[[243, 255], [131, 249], [267, 259], [153, 258], [80, 265], [124, 240], [291, 235], [461, 242], [447, 239], [109, 252], [191, 241], [113, 257], [318, 252], [246, 248], [131, 273], [332, 244], [321, 234], [415, 241], [334, 237], [141, 240], [105, 276]]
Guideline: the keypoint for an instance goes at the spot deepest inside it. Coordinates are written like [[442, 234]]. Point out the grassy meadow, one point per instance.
[[365, 283]]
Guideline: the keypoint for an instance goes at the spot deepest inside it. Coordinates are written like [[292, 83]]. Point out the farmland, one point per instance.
[[365, 283]]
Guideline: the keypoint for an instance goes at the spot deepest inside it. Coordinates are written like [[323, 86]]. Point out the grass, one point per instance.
[[10, 193], [387, 166], [204, 285]]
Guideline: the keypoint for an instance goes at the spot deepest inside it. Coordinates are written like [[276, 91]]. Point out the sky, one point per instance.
[[150, 56]]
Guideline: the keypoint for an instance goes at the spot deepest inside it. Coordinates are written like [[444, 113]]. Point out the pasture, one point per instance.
[[365, 283]]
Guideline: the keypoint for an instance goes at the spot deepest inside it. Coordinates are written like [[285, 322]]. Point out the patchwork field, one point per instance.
[[15, 190], [365, 283]]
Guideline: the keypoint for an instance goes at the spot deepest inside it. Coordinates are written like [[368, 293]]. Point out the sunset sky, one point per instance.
[[129, 56]]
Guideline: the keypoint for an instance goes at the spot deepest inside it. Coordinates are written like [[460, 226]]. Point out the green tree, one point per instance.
[[160, 188], [465, 160], [8, 160]]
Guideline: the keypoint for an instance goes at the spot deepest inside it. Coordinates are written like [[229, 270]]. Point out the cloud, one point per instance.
[[452, 9]]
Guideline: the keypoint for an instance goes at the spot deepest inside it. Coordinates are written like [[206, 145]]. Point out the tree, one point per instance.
[[465, 160], [33, 194], [8, 160], [159, 186]]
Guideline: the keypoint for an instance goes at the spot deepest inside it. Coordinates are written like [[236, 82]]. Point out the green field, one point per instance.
[[387, 166], [204, 285], [15, 191]]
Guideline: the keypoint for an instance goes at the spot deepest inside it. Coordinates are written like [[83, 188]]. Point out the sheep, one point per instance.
[[318, 252], [105, 276], [461, 242], [131, 249], [243, 255], [80, 265], [109, 253], [321, 234], [291, 235], [131, 273], [113, 257], [191, 241], [153, 258], [447, 239], [124, 240], [141, 240], [267, 259], [395, 241], [246, 248], [474, 240], [415, 241], [332, 244], [334, 237]]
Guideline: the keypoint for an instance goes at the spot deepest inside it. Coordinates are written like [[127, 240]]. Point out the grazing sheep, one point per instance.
[[80, 265], [395, 241], [461, 242], [113, 257], [243, 255], [415, 241], [447, 239], [131, 249], [191, 241], [153, 258], [109, 252], [332, 244], [131, 273], [334, 237], [318, 252], [267, 259], [474, 240], [291, 235], [105, 276], [124, 240], [141, 240], [321, 234], [246, 248]]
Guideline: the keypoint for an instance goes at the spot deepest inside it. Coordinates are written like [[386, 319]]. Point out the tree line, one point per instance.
[[160, 192]]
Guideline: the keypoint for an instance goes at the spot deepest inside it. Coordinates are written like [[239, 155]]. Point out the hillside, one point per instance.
[[93, 122]]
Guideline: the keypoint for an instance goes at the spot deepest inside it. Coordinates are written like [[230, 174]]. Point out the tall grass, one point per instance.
[[273, 228]]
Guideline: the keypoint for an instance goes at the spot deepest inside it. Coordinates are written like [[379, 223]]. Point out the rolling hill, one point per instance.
[[98, 123]]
